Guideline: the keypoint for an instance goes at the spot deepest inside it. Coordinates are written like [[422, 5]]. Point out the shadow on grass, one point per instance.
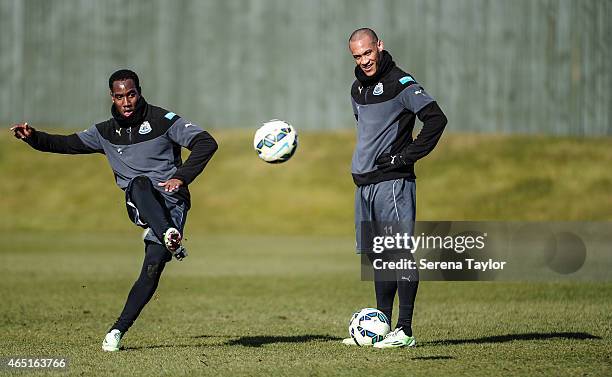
[[247, 341], [154, 346], [258, 341], [213, 336], [513, 337], [433, 358]]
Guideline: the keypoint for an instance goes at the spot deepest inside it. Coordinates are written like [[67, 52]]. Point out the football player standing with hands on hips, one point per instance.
[[143, 144], [386, 101]]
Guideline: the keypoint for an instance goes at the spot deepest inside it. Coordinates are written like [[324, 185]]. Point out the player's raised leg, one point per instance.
[[151, 211]]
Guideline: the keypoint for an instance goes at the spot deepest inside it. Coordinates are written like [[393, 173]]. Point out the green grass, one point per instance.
[[467, 177], [250, 302], [279, 306]]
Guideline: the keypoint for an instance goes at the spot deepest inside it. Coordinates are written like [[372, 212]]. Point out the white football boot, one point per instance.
[[395, 339], [112, 341], [173, 242]]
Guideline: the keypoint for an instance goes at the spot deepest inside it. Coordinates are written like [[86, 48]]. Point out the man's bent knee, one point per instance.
[[142, 183]]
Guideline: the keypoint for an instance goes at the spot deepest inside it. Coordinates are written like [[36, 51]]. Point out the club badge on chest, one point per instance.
[[378, 89], [145, 128]]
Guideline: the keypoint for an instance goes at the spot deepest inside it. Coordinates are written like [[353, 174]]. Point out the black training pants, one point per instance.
[[156, 257], [151, 210]]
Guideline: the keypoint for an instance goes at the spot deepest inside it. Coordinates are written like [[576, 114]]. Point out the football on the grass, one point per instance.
[[275, 141], [368, 326]]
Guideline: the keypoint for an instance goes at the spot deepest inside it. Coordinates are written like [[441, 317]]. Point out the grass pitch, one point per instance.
[[279, 306], [250, 302]]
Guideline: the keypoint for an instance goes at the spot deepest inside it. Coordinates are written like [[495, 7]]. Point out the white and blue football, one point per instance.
[[368, 326], [275, 141]]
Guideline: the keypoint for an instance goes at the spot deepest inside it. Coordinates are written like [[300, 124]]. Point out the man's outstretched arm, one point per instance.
[[44, 142]]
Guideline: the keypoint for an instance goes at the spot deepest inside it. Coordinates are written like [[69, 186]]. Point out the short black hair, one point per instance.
[[363, 31], [124, 74]]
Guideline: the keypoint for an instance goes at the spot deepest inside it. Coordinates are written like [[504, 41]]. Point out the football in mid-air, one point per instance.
[[368, 326], [275, 141]]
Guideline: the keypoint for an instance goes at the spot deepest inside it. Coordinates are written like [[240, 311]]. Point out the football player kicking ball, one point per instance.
[[142, 144], [386, 101]]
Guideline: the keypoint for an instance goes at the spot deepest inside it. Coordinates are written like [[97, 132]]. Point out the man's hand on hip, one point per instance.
[[171, 185]]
